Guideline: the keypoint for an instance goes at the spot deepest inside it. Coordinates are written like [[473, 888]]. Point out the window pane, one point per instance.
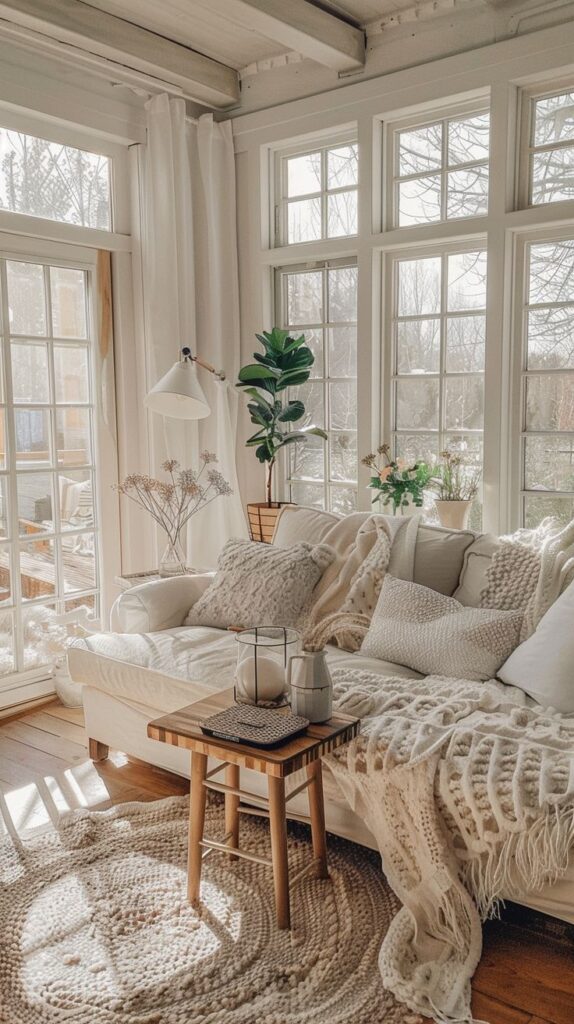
[[304, 174], [418, 346], [68, 291], [420, 149], [464, 403], [550, 402], [39, 620], [417, 447], [305, 298], [467, 192], [26, 299], [343, 500], [314, 341], [549, 463], [342, 214], [343, 456], [30, 380], [465, 343], [551, 276], [304, 220], [35, 503], [47, 179], [312, 397], [7, 662], [311, 495], [37, 569], [550, 338], [33, 442], [79, 562], [468, 139], [553, 175], [419, 200], [71, 373], [73, 436], [307, 460], [554, 119], [342, 351], [343, 294], [5, 587], [470, 446], [343, 166], [2, 440], [417, 404], [467, 281], [3, 507], [343, 406], [75, 494], [419, 286], [536, 509]]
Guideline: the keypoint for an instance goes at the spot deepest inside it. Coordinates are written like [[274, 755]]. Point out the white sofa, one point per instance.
[[151, 664]]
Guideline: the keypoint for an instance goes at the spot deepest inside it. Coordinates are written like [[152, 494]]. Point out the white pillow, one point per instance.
[[436, 635], [543, 666], [260, 585]]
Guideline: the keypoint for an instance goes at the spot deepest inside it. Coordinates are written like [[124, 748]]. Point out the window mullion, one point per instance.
[[13, 524]]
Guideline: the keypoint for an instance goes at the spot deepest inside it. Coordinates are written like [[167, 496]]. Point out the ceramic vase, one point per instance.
[[453, 514]]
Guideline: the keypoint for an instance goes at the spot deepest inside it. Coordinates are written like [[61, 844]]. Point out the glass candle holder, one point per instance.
[[263, 654]]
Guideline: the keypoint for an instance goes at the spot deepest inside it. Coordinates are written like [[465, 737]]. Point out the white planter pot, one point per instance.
[[453, 514]]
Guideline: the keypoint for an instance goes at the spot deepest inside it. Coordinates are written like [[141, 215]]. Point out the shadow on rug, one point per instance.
[[95, 928]]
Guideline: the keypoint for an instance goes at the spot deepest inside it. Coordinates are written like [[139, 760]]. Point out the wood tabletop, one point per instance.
[[183, 729]]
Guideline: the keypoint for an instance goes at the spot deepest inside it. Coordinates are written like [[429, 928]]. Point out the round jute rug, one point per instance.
[[95, 928]]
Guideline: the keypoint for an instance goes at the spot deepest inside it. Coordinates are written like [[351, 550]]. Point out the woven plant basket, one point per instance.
[[263, 519]]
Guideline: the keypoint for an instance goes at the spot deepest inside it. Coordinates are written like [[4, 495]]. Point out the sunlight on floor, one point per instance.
[[43, 802]]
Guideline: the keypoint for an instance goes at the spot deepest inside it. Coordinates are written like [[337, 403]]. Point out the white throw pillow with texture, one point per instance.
[[260, 585], [436, 635], [543, 666]]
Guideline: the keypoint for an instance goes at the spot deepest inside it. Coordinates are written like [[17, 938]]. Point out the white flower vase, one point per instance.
[[453, 514]]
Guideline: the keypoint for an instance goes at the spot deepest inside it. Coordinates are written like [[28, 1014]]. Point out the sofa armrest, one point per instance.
[[160, 604]]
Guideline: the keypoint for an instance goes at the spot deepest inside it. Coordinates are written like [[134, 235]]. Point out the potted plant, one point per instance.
[[396, 481], [285, 362], [456, 485]]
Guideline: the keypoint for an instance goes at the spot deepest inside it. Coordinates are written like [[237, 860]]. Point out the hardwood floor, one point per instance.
[[526, 975]]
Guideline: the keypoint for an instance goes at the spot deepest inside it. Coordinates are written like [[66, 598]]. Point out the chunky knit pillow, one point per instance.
[[436, 635], [260, 585]]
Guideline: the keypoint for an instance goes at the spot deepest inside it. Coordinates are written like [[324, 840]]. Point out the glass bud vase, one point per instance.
[[172, 562]]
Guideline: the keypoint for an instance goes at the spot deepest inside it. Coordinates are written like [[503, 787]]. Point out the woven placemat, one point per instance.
[[260, 727]]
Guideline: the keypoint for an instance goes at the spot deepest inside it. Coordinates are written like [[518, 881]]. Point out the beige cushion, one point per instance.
[[296, 523], [436, 635], [473, 579], [438, 557]]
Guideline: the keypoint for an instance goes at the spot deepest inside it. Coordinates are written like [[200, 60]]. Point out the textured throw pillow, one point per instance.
[[260, 585], [436, 635], [543, 666]]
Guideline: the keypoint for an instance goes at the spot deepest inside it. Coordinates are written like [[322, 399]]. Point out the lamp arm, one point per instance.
[[186, 353]]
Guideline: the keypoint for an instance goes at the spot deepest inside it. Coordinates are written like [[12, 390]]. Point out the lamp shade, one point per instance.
[[179, 394]]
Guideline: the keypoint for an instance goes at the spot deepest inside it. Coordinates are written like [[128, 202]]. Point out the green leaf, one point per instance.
[[293, 411], [259, 398], [263, 453], [316, 431], [294, 343], [254, 373], [291, 378]]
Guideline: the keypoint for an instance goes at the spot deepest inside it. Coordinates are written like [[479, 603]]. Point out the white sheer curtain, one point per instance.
[[191, 297]]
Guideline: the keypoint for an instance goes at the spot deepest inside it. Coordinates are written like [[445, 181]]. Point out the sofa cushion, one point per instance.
[[436, 635], [296, 523], [543, 665], [439, 556], [477, 559], [258, 584]]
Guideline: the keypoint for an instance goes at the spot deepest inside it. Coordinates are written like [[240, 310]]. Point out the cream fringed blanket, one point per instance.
[[470, 796]]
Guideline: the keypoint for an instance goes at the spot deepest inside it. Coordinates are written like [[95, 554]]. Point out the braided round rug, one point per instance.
[[95, 928]]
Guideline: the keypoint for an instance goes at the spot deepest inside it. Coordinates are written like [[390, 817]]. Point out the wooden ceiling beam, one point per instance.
[[300, 26], [78, 24]]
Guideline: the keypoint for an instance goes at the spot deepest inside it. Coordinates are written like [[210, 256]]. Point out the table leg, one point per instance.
[[231, 805], [317, 812], [278, 823], [198, 796]]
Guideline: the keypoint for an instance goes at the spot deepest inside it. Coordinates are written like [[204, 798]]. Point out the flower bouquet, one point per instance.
[[397, 481]]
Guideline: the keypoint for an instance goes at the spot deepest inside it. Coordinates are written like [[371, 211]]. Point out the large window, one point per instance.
[[322, 304], [48, 523], [551, 148], [438, 333], [317, 193], [547, 407]]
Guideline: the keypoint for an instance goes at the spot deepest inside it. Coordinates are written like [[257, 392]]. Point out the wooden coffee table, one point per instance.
[[182, 729]]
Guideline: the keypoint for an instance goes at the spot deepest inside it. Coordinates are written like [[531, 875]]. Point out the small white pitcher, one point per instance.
[[311, 687]]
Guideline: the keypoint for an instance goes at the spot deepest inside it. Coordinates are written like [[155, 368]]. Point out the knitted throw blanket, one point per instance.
[[470, 796]]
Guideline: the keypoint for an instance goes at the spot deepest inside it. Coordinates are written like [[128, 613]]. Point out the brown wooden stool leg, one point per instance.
[[278, 823], [231, 805], [198, 796], [317, 812]]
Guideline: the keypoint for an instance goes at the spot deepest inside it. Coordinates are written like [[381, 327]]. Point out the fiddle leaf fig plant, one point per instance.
[[285, 363]]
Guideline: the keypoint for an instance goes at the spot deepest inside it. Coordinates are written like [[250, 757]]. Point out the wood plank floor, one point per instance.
[[526, 975]]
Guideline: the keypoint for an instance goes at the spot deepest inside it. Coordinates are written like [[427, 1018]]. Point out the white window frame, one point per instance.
[[324, 380], [528, 98], [279, 198]]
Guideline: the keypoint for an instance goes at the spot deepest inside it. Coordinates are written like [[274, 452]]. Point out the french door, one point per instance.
[[49, 533]]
